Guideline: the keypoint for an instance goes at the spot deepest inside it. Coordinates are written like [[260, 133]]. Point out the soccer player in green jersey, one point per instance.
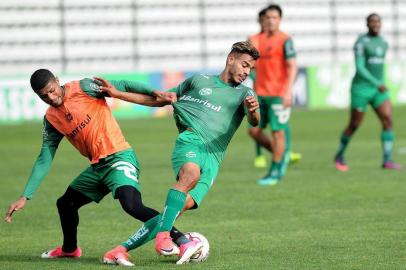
[[368, 88], [78, 111], [208, 111]]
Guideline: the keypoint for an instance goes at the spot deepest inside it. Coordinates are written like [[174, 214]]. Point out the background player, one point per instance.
[[78, 111], [208, 112], [368, 88], [276, 71]]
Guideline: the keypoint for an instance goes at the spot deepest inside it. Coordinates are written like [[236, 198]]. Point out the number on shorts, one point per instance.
[[129, 170], [282, 113]]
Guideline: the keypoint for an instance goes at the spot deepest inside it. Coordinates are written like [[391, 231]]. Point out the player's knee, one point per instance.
[[188, 179], [63, 204], [135, 210], [254, 132]]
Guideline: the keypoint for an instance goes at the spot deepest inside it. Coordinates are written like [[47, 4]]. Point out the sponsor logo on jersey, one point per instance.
[[376, 60], [205, 103], [190, 154], [79, 127], [205, 91]]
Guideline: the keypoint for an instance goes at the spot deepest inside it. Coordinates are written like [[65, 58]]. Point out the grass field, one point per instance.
[[317, 218]]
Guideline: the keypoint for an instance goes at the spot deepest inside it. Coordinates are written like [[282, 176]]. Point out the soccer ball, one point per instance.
[[204, 253]]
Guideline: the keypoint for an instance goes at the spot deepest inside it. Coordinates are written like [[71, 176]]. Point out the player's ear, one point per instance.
[[57, 79], [230, 59]]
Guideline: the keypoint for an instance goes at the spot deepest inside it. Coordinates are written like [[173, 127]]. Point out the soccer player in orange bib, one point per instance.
[[276, 71], [78, 111]]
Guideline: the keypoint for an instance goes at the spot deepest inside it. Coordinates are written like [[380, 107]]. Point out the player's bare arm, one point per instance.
[[292, 73], [252, 107], [158, 99]]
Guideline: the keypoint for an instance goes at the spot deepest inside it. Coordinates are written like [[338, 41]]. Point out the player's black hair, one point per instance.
[[245, 47], [261, 13], [369, 17], [275, 7], [40, 78]]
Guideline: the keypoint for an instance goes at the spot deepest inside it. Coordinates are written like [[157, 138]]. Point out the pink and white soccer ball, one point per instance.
[[204, 253]]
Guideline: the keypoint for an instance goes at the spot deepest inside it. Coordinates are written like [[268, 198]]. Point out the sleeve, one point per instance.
[[183, 87], [92, 88], [288, 49], [50, 141], [360, 64]]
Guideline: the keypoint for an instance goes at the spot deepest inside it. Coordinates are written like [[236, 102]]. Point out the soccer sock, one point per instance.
[[387, 138], [178, 237], [344, 140], [175, 201], [284, 163], [275, 170], [144, 234], [258, 150]]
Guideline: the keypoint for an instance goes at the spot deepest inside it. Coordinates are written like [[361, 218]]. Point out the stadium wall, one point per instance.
[[316, 87]]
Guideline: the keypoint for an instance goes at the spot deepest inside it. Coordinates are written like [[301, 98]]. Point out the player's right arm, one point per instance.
[[50, 141], [360, 65], [135, 92]]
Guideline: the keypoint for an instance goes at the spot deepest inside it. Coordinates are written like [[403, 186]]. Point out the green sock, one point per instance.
[[175, 201], [144, 234], [275, 170], [344, 140], [284, 163], [258, 150], [387, 138]]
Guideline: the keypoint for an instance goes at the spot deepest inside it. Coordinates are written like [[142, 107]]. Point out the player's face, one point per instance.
[[374, 25], [263, 23], [240, 67], [273, 20], [52, 94]]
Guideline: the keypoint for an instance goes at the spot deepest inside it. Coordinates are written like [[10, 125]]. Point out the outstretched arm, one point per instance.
[[51, 139], [154, 99]]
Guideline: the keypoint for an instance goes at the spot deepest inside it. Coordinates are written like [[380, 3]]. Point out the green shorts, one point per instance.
[[190, 148], [362, 96], [119, 169], [273, 113]]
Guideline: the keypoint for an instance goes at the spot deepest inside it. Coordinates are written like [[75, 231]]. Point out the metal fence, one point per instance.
[[142, 35]]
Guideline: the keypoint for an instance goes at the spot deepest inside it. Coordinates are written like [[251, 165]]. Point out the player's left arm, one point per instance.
[[292, 69], [135, 92], [251, 107]]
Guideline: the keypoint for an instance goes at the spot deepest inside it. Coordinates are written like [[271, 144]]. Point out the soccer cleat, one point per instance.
[[117, 256], [295, 157], [260, 161], [59, 253], [390, 165], [268, 181], [340, 165], [187, 251], [164, 244]]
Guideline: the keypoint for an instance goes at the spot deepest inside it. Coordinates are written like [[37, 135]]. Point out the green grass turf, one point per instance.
[[317, 218]]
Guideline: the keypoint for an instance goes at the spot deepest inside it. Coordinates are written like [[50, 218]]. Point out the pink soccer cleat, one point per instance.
[[164, 244], [340, 165], [59, 253], [117, 256], [187, 251], [390, 165]]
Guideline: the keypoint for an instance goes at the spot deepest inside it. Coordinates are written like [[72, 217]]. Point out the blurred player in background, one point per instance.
[[276, 72], [208, 111], [368, 87], [262, 139], [78, 111]]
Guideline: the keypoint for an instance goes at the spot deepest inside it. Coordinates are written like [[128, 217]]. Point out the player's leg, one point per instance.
[[356, 117], [261, 139], [279, 117], [383, 109], [68, 206]]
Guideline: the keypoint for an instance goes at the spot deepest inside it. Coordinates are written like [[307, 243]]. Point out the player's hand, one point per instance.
[[107, 87], [382, 88], [287, 100], [251, 103], [17, 205], [165, 97]]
